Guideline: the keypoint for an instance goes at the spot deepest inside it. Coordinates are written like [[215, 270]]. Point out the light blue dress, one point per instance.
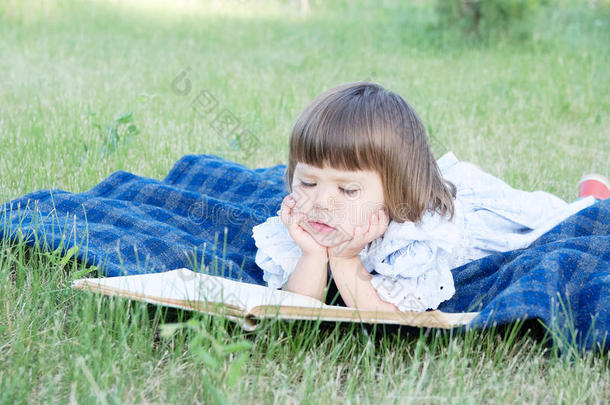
[[411, 264]]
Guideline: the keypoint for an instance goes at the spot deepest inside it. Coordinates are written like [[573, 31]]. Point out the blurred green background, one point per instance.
[[87, 85]]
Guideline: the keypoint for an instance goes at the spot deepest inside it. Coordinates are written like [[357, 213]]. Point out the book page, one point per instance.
[[247, 303], [186, 285]]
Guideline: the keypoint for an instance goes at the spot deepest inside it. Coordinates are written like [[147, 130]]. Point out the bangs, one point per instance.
[[344, 135]]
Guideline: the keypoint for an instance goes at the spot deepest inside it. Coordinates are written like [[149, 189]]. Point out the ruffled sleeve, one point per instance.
[[413, 262], [277, 252]]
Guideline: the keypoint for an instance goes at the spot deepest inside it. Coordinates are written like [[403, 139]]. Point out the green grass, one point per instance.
[[533, 113]]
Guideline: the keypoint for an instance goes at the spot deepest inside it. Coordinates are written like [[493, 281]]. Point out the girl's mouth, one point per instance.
[[320, 227]]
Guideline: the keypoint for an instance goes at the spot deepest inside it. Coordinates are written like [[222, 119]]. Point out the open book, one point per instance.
[[247, 303]]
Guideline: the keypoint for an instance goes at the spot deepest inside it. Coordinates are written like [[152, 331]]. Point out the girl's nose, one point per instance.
[[324, 199]]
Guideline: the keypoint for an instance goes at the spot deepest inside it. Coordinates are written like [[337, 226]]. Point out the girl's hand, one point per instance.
[[292, 219], [362, 235]]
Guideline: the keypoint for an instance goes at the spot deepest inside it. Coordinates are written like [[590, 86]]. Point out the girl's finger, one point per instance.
[[299, 218], [380, 228], [383, 217], [286, 212], [370, 226], [288, 201], [360, 232], [374, 229]]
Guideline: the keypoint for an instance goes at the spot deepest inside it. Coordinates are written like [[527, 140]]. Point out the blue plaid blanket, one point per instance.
[[201, 216], [563, 279]]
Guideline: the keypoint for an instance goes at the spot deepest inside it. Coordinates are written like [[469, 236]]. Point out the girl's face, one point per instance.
[[335, 201]]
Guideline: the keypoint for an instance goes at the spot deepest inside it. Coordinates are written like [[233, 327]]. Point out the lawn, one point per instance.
[[92, 87]]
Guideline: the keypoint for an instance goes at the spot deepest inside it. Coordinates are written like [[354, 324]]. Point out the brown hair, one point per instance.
[[362, 126]]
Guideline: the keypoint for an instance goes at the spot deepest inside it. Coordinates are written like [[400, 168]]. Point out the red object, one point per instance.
[[595, 185]]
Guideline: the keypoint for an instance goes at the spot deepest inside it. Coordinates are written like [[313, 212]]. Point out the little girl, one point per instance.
[[371, 208]]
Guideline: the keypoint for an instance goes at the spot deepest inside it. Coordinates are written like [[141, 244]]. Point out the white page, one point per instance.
[[184, 284]]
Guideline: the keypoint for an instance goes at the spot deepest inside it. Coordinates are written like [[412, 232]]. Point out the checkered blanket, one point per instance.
[[563, 279], [202, 214]]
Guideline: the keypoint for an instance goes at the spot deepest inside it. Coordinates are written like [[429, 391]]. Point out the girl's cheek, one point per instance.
[[363, 214], [353, 220], [301, 196]]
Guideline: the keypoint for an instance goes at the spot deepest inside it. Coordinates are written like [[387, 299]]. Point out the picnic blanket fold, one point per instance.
[[201, 215]]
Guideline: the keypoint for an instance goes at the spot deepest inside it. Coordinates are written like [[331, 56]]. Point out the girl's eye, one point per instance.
[[348, 192], [344, 191]]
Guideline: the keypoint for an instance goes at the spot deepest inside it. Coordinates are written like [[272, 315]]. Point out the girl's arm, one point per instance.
[[354, 283], [309, 277]]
